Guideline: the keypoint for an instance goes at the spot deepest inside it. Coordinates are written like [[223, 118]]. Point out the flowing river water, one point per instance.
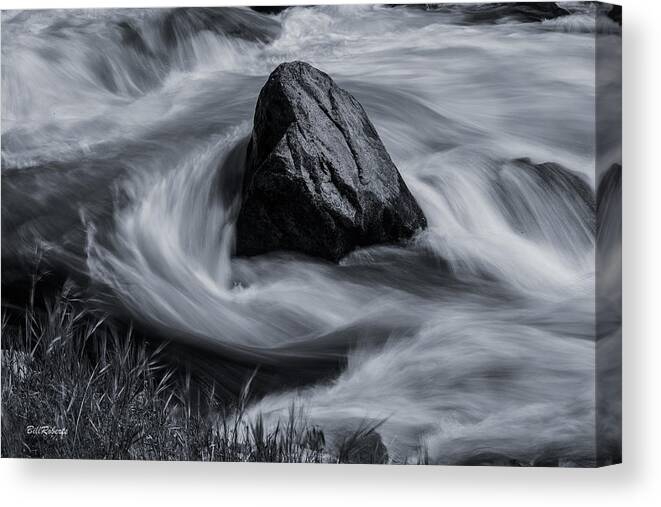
[[122, 136]]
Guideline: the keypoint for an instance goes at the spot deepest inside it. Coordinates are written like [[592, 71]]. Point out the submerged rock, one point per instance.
[[132, 38], [557, 179], [269, 9], [318, 179], [547, 202], [609, 203], [615, 13], [497, 12], [183, 23], [522, 12]]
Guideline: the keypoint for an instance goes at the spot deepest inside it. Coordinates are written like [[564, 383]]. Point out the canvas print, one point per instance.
[[381, 234]]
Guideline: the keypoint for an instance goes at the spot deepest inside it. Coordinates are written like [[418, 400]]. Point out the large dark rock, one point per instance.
[[318, 179]]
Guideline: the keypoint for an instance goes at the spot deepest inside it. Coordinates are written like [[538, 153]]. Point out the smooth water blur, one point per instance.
[[477, 337]]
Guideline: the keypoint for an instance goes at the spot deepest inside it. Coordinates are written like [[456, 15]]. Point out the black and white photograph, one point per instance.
[[341, 234]]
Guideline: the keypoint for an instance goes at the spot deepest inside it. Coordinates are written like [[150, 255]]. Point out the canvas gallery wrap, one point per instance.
[[385, 234]]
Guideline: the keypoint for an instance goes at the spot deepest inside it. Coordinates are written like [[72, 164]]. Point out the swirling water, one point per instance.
[[475, 338]]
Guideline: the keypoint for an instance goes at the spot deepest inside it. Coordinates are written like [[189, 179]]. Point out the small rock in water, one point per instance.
[[318, 179], [364, 447]]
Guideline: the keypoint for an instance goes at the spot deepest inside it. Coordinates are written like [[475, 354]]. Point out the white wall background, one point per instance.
[[637, 482]]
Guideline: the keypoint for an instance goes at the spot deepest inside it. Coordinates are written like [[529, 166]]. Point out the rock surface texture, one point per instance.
[[318, 179]]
